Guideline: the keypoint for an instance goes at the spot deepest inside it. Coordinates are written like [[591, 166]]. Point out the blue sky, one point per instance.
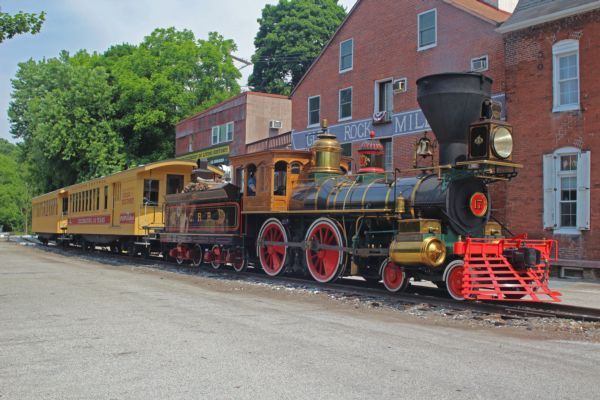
[[95, 25]]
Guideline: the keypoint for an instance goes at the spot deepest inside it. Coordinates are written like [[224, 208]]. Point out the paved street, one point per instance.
[[75, 329]]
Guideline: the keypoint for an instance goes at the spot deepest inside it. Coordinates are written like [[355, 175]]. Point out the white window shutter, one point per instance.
[[550, 214], [583, 191]]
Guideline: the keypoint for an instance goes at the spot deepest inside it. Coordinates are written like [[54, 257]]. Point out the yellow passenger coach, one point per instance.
[[115, 211]]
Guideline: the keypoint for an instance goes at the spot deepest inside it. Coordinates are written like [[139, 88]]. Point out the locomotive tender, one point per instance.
[[300, 211]]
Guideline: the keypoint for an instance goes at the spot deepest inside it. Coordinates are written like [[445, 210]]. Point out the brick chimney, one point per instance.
[[504, 5]]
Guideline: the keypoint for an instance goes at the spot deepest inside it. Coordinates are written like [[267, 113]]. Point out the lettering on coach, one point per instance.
[[92, 220], [127, 218]]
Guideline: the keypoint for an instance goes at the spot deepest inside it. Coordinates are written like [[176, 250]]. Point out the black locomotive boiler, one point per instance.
[[302, 211]]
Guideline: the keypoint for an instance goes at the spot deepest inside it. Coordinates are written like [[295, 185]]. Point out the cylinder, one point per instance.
[[429, 252]]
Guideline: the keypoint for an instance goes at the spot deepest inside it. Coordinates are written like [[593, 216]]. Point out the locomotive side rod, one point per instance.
[[363, 251]]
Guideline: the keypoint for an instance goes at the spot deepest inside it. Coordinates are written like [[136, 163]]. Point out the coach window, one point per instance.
[[567, 191], [151, 192], [105, 197], [174, 184], [280, 181], [65, 206]]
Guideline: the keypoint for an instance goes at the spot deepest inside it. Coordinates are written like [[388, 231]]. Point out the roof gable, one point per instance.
[[535, 12], [476, 8]]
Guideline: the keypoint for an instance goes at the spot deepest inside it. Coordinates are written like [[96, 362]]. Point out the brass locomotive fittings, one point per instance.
[[327, 154], [430, 252]]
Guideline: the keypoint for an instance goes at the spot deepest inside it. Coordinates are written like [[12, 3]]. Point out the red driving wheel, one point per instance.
[[324, 264], [454, 279], [272, 256], [394, 278]]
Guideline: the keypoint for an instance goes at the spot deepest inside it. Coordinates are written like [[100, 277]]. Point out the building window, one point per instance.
[[567, 187], [151, 192], [314, 110], [479, 64], [191, 143], [345, 104], [346, 51], [388, 154], [222, 133], [567, 190], [566, 75], [384, 97], [427, 23]]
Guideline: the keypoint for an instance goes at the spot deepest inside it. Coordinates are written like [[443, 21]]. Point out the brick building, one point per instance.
[[364, 79], [553, 98], [229, 127]]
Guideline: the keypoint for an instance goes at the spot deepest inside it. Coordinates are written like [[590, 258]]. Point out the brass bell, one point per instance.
[[424, 147]]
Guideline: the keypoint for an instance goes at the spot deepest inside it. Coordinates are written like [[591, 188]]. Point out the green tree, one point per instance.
[[63, 112], [14, 196], [12, 25], [292, 33], [169, 76], [88, 115]]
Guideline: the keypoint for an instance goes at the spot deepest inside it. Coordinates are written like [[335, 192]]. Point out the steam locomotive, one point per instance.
[[302, 212]]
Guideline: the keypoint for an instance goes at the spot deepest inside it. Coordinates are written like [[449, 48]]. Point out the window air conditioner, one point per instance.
[[274, 124], [400, 85]]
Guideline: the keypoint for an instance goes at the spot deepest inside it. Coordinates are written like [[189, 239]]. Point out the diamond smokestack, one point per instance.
[[451, 102]]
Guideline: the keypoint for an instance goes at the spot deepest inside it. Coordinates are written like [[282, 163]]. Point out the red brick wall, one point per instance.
[[385, 45], [539, 131], [200, 127]]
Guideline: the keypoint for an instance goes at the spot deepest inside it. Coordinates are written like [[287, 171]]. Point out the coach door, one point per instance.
[[63, 203], [116, 203]]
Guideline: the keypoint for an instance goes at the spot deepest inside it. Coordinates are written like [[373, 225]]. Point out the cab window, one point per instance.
[[251, 184], [174, 184], [280, 180]]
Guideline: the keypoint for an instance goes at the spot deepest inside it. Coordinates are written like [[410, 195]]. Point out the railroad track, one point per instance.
[[353, 288]]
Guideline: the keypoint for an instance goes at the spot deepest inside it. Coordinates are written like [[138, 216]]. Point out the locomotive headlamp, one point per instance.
[[502, 142], [490, 140]]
